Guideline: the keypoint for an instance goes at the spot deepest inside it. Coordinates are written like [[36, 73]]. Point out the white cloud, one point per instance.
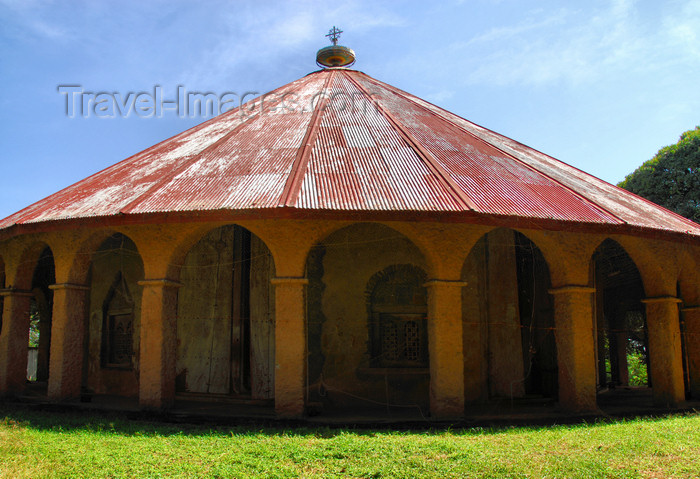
[[582, 46], [512, 31], [27, 16], [439, 96], [279, 30]]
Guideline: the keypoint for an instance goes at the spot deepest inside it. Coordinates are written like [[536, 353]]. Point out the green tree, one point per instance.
[[672, 177]]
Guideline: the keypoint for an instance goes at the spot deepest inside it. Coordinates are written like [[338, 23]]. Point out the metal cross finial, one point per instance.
[[334, 34]]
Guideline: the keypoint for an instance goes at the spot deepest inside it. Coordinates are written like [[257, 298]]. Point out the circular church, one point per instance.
[[341, 246]]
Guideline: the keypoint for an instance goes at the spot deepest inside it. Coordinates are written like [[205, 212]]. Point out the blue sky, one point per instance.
[[599, 84]]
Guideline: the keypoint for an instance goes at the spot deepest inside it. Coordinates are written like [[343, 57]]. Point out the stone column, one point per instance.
[[14, 341], [446, 348], [290, 345], [573, 319], [620, 351], [691, 316], [158, 354], [665, 357], [67, 336]]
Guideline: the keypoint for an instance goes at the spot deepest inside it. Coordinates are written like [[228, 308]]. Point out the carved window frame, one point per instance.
[[398, 329], [118, 352]]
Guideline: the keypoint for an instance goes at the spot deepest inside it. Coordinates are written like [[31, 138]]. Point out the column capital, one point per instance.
[[69, 286], [445, 282], [572, 288], [15, 292], [290, 280], [159, 283], [661, 299]]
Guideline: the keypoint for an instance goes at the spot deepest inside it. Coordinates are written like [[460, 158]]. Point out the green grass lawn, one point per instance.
[[41, 444]]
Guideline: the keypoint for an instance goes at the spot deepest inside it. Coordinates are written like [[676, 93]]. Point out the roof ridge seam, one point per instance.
[[294, 181], [424, 154], [526, 165], [186, 164]]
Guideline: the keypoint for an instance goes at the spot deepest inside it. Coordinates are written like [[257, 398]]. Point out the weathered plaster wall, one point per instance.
[[350, 258], [262, 321], [204, 315], [445, 246], [208, 338], [107, 263]]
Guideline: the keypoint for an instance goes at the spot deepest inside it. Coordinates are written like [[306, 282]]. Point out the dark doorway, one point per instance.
[[225, 328], [536, 320], [41, 311], [622, 349]]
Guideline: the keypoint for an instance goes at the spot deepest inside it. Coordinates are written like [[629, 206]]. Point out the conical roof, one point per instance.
[[339, 143]]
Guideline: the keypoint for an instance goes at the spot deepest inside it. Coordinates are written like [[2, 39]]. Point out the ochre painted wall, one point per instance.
[[440, 249]]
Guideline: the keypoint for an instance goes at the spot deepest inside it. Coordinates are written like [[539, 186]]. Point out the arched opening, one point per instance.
[[688, 289], [2, 286], [111, 362], [225, 323], [508, 321], [622, 353], [41, 309], [367, 324], [118, 326], [685, 353]]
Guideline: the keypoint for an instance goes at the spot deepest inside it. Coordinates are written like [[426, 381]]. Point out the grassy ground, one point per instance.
[[40, 444]]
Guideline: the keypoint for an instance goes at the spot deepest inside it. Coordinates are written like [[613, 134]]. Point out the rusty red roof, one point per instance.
[[338, 140]]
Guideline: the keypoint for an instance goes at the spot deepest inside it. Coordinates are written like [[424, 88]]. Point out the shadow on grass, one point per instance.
[[60, 419]]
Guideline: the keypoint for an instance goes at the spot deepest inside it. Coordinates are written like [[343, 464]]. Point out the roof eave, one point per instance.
[[293, 213]]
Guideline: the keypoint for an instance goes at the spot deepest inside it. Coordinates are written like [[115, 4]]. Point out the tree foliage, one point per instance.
[[672, 177]]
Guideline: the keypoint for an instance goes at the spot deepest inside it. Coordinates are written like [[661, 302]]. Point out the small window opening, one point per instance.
[[118, 327], [398, 325]]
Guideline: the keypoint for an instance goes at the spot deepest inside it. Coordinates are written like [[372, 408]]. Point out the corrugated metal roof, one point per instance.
[[339, 140]]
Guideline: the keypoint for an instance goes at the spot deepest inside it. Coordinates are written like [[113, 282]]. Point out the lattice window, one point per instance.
[[118, 327], [390, 341], [397, 308], [121, 338], [412, 336], [402, 340]]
